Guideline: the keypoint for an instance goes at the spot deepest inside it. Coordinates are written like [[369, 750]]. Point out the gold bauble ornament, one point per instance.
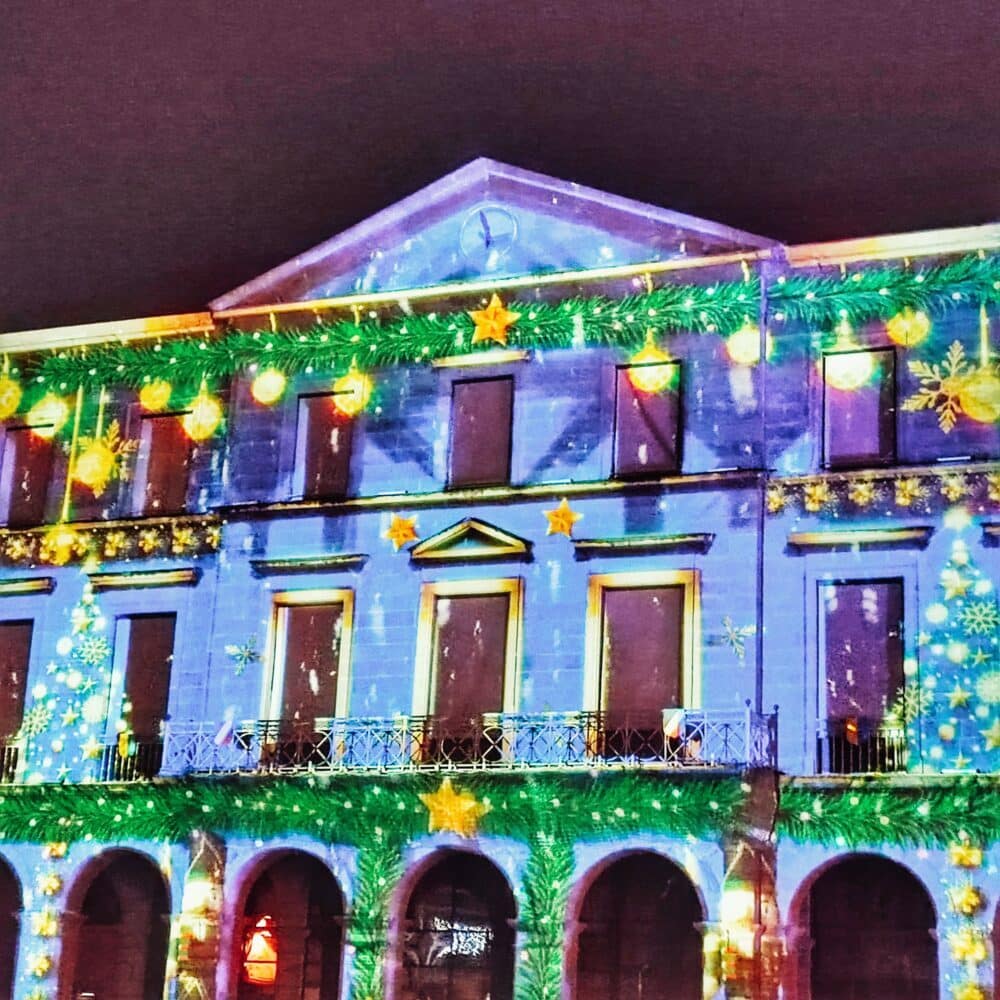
[[743, 345], [268, 386], [203, 417], [94, 467], [48, 415], [352, 391], [10, 396], [650, 370], [908, 327], [849, 370], [154, 396], [979, 396]]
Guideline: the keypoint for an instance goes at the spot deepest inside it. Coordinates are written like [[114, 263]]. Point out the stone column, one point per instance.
[[199, 924]]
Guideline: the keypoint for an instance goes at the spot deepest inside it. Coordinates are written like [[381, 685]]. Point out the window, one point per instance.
[[25, 473], [641, 659], [310, 659], [468, 660], [322, 449], [163, 466], [15, 651], [481, 415], [859, 408], [861, 650], [647, 420]]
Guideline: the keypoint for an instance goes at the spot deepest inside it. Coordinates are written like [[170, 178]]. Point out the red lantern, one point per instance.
[[260, 953]]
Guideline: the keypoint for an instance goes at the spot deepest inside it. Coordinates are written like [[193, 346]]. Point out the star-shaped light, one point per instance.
[[955, 585], [980, 657], [965, 899], [91, 749], [492, 322], [70, 716], [562, 519], [965, 855], [459, 812], [401, 530], [923, 638], [55, 849], [45, 924], [992, 735], [958, 697], [961, 762], [50, 884]]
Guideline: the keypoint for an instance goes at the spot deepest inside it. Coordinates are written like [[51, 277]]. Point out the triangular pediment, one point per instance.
[[488, 220], [469, 541]]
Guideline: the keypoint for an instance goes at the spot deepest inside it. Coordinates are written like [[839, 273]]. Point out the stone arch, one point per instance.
[[116, 929], [636, 931], [456, 930], [11, 903], [862, 925], [288, 929]]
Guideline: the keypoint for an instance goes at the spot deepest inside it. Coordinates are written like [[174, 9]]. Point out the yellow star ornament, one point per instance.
[[562, 519], [458, 812], [401, 530], [992, 735], [958, 697], [965, 855], [492, 322]]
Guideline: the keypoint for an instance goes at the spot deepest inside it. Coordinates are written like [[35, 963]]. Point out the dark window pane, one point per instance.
[[147, 672], [15, 651], [859, 424], [641, 665], [647, 424], [470, 653], [481, 413], [863, 648], [25, 473], [162, 470], [323, 448], [312, 658]]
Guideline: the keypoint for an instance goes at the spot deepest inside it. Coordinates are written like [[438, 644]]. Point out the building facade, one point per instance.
[[527, 593]]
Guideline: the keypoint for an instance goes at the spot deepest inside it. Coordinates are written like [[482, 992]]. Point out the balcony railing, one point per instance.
[[843, 747], [142, 760], [10, 756], [502, 741]]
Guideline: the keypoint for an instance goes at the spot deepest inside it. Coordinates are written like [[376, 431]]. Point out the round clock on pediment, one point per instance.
[[487, 236]]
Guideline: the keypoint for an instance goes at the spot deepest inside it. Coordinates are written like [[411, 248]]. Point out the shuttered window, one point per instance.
[[481, 415]]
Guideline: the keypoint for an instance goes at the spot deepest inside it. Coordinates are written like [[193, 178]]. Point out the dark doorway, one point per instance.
[[871, 923], [291, 933], [10, 924], [637, 936], [120, 951], [459, 935]]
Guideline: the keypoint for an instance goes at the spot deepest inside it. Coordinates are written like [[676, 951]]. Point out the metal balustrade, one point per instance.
[[502, 741], [846, 749], [10, 757], [141, 761]]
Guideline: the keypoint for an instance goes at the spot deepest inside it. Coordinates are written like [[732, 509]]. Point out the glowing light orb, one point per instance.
[[352, 391], [743, 346], [979, 397], [93, 709], [908, 327], [50, 413], [268, 387], [204, 416], [10, 396], [94, 467], [849, 370], [155, 395], [937, 614], [650, 370]]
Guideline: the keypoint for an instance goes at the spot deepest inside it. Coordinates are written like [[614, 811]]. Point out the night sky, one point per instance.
[[155, 154]]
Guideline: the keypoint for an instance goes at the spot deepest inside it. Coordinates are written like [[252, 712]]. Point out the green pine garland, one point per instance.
[[330, 346], [880, 812], [380, 867]]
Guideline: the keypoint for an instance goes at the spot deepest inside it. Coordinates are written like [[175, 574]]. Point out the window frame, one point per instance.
[[677, 391], [140, 477], [7, 488], [468, 380], [861, 462], [595, 675], [425, 669], [272, 689], [300, 452]]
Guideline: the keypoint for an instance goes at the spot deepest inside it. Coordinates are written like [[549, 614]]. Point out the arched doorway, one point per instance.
[[871, 924], [458, 940], [10, 922], [117, 928], [291, 932], [636, 935]]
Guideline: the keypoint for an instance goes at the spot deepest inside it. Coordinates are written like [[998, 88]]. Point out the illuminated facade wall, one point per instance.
[[353, 628]]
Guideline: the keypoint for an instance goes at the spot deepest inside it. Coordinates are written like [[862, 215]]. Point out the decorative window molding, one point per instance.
[[481, 359], [471, 540], [630, 545], [187, 576], [288, 566], [915, 537], [27, 585]]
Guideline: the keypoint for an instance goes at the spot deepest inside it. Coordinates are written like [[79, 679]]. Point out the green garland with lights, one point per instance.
[[874, 812], [722, 308]]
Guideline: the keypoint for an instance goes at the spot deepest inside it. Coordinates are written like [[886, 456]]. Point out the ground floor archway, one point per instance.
[[457, 942], [10, 925], [636, 934]]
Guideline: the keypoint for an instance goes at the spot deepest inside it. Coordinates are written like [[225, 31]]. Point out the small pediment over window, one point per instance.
[[471, 540]]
